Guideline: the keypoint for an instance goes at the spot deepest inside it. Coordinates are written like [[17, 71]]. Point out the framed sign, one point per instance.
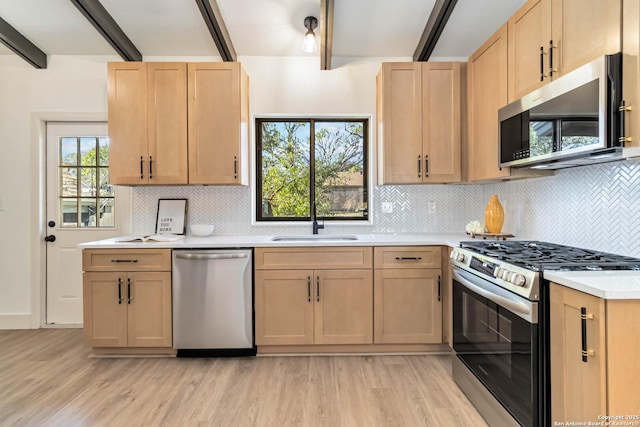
[[171, 218]]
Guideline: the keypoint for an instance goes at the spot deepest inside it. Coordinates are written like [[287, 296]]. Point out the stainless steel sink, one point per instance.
[[315, 238]]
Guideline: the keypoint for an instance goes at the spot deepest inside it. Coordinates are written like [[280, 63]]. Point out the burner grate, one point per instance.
[[540, 256]]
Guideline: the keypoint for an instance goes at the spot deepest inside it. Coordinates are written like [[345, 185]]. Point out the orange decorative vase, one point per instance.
[[494, 215]]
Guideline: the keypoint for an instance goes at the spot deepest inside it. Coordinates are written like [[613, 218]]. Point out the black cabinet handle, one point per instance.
[[124, 260], [584, 316], [439, 289], [541, 63], [119, 290], [419, 166], [129, 290], [235, 167], [150, 167], [317, 288], [408, 258], [141, 167], [309, 288], [426, 166]]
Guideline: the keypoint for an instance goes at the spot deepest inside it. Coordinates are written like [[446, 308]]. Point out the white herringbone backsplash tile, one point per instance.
[[592, 207]]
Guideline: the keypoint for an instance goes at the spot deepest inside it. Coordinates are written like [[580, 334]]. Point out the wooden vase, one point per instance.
[[494, 215]]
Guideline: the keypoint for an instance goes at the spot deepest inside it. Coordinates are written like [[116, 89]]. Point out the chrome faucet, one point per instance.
[[316, 226]]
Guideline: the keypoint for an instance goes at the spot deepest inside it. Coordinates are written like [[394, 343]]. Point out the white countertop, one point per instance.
[[604, 284], [410, 239]]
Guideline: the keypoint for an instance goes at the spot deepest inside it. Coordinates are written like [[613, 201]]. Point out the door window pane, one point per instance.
[[86, 197]]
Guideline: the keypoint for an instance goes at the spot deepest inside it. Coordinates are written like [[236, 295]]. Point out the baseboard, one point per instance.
[[15, 321]]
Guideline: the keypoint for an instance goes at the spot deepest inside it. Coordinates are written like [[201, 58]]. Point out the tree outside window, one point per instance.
[[305, 160]]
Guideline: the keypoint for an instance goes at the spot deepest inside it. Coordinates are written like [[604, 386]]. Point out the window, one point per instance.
[[300, 161], [86, 197]]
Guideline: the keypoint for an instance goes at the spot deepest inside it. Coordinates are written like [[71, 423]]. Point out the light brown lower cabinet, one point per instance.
[[407, 295], [407, 306], [124, 307], [297, 307], [602, 380]]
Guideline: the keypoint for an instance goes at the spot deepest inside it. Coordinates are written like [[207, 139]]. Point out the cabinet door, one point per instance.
[[167, 122], [218, 123], [148, 301], [631, 73], [128, 154], [584, 30], [529, 30], [399, 110], [407, 306], [105, 309], [441, 122], [578, 388], [284, 307], [487, 92], [343, 307]]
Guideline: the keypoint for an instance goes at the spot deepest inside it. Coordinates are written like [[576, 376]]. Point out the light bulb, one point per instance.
[[309, 44]]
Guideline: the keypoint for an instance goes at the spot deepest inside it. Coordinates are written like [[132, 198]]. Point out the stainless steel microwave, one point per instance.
[[571, 121]]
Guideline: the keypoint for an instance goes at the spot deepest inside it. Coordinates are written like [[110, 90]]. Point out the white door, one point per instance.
[[81, 206]]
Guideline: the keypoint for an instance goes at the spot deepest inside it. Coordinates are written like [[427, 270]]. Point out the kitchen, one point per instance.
[[597, 202]]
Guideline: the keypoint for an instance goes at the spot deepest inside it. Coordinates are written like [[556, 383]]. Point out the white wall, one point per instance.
[[69, 84]]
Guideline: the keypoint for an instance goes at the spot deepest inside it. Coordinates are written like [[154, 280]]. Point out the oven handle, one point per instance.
[[501, 297]]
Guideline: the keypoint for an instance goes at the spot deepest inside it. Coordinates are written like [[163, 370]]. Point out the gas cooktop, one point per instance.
[[540, 256]]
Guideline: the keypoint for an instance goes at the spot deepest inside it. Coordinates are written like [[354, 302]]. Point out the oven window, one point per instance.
[[500, 349]]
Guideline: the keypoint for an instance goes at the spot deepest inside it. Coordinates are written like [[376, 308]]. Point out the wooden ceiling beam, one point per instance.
[[102, 21], [14, 40], [213, 18], [435, 24], [326, 33]]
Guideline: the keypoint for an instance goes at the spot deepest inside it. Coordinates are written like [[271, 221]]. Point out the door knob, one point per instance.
[[50, 238], [51, 223]]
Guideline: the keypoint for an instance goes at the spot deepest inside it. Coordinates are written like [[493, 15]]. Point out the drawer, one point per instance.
[[407, 257], [126, 259], [293, 258]]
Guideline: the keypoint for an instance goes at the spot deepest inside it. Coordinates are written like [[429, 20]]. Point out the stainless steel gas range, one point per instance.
[[501, 323]]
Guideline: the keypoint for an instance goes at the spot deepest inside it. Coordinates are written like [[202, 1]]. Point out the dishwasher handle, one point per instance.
[[196, 256]]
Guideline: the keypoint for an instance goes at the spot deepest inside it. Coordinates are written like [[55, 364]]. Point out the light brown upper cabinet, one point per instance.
[[154, 107], [218, 123], [549, 38], [419, 122], [147, 123], [486, 94], [631, 73]]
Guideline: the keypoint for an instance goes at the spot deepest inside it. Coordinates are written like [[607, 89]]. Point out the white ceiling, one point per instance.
[[362, 28]]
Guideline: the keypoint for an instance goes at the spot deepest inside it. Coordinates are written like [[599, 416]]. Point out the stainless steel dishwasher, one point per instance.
[[213, 302]]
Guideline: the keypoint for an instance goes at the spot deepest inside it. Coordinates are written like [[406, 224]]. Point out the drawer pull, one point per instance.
[[124, 260], [119, 290], [129, 299], [408, 258], [309, 288], [318, 288]]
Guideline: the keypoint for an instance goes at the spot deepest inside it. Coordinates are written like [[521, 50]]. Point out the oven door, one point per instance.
[[495, 335]]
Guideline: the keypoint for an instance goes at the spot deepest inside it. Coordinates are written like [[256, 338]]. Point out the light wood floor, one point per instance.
[[46, 379]]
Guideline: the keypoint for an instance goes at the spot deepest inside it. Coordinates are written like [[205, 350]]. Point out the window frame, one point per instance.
[[258, 121]]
